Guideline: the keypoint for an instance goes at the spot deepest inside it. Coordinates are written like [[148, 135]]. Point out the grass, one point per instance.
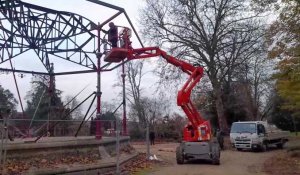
[[295, 134], [294, 142]]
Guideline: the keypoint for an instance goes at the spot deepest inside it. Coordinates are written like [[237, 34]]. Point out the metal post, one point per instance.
[[17, 88], [49, 113], [35, 111], [118, 146], [4, 137], [2, 142], [98, 114], [5, 141], [51, 90], [124, 100], [148, 140]]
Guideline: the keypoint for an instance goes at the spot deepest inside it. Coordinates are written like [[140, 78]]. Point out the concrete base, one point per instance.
[[49, 145]]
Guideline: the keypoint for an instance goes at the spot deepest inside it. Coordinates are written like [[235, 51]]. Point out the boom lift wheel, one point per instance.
[[215, 158], [179, 155], [215, 152]]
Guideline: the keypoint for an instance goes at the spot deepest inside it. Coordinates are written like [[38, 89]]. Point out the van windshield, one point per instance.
[[243, 127]]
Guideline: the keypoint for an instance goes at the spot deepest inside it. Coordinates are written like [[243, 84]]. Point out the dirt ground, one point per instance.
[[232, 162]]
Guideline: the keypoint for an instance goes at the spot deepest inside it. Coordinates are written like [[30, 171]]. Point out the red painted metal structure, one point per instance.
[[198, 129], [61, 28], [56, 38]]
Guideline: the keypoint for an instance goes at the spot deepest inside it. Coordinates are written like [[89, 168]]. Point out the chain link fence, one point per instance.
[[19, 128]]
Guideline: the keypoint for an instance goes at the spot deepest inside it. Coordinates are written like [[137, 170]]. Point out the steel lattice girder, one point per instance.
[[65, 35]]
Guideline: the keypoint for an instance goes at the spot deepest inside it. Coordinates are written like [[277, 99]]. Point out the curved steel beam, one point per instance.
[[48, 32]]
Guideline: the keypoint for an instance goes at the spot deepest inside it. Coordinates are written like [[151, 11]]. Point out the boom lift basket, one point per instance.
[[116, 55]]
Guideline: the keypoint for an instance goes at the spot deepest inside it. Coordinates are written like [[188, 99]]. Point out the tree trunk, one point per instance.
[[220, 110]]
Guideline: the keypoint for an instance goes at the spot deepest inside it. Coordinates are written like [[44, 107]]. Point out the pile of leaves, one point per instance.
[[142, 164], [137, 165], [18, 166], [283, 164], [133, 166], [127, 149]]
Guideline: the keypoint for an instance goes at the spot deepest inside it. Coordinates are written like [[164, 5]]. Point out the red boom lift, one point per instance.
[[197, 138]]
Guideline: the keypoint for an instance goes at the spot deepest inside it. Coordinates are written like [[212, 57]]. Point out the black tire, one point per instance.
[[215, 159], [216, 162], [239, 149], [179, 155], [280, 145], [216, 154], [264, 147]]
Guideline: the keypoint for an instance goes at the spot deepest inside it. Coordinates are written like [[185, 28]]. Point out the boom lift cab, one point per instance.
[[197, 138]]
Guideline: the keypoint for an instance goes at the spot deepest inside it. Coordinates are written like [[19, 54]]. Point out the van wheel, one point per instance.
[[179, 155], [264, 147], [239, 149], [280, 145]]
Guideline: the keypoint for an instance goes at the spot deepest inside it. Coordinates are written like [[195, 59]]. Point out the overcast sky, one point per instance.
[[72, 84]]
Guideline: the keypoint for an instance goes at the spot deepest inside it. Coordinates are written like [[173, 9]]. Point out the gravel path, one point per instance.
[[232, 162]]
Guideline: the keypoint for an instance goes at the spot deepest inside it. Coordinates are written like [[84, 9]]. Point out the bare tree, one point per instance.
[[262, 84], [170, 127], [133, 81], [108, 107], [134, 78], [143, 109], [134, 89], [151, 109], [218, 34], [72, 103], [248, 87]]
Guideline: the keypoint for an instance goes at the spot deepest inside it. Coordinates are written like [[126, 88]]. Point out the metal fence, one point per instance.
[[19, 128]]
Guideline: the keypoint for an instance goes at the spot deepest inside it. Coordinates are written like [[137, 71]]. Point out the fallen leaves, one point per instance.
[[137, 165], [18, 166], [127, 149], [282, 164], [133, 166], [141, 163]]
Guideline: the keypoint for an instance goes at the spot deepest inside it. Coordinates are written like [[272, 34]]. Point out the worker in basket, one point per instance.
[[113, 35]]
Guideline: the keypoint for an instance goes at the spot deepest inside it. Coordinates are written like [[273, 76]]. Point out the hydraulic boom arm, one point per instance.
[[198, 129], [183, 97]]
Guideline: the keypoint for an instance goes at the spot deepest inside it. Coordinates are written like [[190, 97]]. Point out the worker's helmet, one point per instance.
[[111, 24]]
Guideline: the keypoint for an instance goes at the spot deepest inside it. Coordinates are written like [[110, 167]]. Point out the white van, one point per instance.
[[256, 135]]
